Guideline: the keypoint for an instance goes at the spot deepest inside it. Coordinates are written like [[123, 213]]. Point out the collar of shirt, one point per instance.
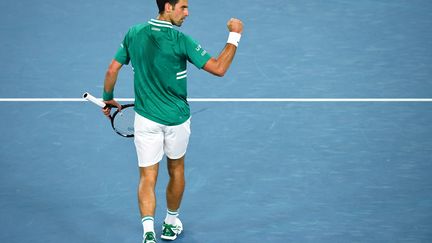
[[160, 23]]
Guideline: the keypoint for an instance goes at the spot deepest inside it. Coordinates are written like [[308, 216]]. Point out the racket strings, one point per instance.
[[123, 121]]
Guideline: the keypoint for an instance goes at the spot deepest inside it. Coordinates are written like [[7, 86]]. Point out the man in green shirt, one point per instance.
[[158, 54]]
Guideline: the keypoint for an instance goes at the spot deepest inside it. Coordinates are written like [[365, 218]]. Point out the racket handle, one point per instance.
[[94, 100]]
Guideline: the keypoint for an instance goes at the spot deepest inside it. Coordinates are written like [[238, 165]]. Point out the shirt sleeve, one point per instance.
[[122, 55], [195, 53]]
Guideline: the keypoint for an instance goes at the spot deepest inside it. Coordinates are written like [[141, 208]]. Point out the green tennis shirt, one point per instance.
[[159, 55]]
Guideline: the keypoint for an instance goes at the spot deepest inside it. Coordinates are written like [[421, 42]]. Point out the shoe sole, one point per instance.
[[171, 237]]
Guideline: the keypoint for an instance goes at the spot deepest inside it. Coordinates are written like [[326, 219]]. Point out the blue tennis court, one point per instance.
[[256, 171]]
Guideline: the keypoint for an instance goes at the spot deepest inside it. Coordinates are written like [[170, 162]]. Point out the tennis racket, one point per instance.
[[121, 121]]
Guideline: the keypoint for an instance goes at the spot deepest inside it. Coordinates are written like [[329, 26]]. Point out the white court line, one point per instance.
[[308, 100], [235, 99]]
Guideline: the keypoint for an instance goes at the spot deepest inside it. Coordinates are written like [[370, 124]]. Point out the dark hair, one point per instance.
[[161, 4]]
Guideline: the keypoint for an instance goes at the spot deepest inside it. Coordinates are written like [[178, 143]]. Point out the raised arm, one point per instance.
[[220, 65]]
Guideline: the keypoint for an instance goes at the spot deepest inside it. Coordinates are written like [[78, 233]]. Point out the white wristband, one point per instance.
[[234, 38]]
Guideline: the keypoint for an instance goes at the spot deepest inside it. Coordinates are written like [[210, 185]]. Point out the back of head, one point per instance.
[[161, 4]]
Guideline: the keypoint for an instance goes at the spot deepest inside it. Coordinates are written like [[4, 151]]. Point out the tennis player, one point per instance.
[[159, 54]]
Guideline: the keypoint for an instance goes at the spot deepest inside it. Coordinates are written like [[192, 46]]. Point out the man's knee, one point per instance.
[[176, 168], [148, 175]]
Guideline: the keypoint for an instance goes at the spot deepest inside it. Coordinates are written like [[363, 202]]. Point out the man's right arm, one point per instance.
[[109, 83], [219, 66]]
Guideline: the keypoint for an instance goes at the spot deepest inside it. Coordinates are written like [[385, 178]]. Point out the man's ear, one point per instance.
[[168, 8]]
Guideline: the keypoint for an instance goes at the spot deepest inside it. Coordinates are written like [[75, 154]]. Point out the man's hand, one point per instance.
[[235, 25], [107, 110]]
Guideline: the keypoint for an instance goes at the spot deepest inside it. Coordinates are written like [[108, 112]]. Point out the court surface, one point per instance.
[[256, 171]]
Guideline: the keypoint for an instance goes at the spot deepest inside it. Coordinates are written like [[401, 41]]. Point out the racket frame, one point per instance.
[[102, 104], [112, 118]]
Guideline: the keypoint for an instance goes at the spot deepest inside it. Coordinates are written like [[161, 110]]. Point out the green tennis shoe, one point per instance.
[[170, 232], [149, 237]]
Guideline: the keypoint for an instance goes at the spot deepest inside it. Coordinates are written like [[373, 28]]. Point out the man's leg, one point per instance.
[[176, 184], [172, 226], [176, 142], [147, 196]]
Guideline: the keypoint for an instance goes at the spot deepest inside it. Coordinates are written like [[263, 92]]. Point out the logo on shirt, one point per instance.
[[199, 48], [182, 74]]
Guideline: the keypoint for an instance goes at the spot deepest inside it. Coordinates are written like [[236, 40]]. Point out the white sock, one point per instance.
[[171, 217], [148, 224]]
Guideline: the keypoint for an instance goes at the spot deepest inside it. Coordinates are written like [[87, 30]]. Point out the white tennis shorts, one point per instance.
[[153, 140]]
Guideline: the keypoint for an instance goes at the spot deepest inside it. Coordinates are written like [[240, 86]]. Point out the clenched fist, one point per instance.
[[235, 25]]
